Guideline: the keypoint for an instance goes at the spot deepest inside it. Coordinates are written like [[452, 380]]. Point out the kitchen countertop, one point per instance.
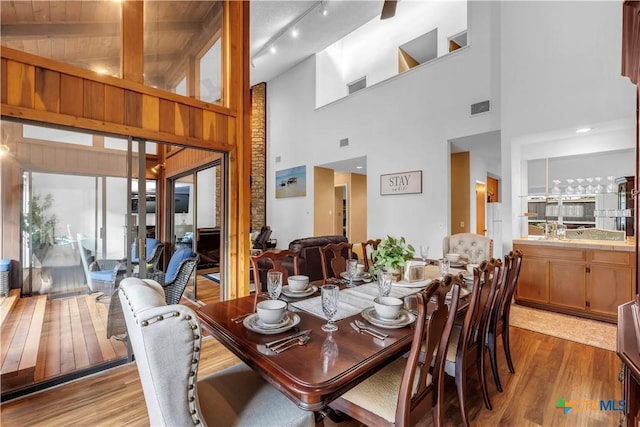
[[627, 246]]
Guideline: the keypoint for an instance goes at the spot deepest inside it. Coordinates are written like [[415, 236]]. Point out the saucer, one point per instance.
[[360, 278], [298, 294], [458, 264], [253, 323], [404, 318]]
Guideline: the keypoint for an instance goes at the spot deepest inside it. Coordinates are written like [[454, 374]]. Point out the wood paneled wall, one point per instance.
[[37, 89]]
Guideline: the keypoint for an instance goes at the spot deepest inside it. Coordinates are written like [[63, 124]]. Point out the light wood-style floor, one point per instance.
[[547, 369]]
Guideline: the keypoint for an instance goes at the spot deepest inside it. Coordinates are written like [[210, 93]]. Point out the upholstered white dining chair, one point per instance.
[[166, 344], [469, 246]]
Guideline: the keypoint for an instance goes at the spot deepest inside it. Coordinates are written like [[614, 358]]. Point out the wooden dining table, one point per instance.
[[314, 374]]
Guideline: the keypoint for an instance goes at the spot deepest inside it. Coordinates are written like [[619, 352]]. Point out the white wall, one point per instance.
[[402, 124], [372, 50], [545, 66]]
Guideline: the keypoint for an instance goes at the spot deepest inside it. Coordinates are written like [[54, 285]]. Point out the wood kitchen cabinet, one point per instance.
[[589, 279]]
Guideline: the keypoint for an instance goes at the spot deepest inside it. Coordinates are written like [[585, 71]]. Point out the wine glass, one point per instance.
[[329, 296], [384, 284], [274, 284], [352, 269], [424, 252], [443, 266]]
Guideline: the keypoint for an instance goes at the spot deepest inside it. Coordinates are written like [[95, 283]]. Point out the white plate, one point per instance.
[[253, 323], [458, 264], [363, 277], [299, 294], [404, 318], [418, 284], [463, 293]]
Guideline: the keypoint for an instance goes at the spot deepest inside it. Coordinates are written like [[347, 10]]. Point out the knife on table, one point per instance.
[[288, 338]]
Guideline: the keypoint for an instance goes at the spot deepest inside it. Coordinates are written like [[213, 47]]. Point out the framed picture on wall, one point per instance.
[[291, 182], [401, 183]]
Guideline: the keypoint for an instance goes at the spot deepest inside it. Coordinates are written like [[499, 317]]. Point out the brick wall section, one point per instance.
[[258, 156]]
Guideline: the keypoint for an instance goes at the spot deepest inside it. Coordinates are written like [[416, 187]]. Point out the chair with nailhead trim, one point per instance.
[[165, 340], [470, 246]]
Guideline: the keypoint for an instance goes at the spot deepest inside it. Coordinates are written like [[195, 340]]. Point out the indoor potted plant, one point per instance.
[[391, 255], [40, 225]]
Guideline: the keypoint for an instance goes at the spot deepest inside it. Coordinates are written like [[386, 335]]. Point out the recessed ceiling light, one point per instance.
[[273, 49], [101, 71], [323, 8], [358, 167], [583, 130], [295, 32], [4, 149]]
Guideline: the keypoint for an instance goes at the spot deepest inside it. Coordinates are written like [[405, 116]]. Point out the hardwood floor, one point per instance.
[[547, 369], [46, 336]]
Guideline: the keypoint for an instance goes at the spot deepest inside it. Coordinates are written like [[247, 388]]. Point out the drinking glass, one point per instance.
[[274, 284], [424, 252], [443, 266], [352, 269], [329, 296], [384, 284]]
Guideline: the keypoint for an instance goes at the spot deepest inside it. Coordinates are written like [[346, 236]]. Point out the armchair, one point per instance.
[[153, 250], [166, 341], [100, 278], [469, 246], [181, 265]]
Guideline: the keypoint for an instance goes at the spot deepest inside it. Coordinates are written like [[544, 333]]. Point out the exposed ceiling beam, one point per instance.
[[104, 29]]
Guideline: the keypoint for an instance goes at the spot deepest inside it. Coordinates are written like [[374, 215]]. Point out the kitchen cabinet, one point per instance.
[[587, 278]]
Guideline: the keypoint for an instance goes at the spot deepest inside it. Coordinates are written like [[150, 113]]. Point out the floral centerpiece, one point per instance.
[[391, 255]]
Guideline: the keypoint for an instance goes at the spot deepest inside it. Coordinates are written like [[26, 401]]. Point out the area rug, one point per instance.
[[214, 277], [584, 331]]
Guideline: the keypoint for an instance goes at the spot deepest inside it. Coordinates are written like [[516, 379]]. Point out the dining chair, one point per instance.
[[166, 342], [367, 249], [467, 340], [334, 258], [499, 320], [271, 261], [409, 388]]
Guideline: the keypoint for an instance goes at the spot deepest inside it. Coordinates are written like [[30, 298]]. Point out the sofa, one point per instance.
[[308, 248]]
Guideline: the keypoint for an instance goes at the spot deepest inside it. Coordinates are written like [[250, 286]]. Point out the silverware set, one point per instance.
[[362, 328], [282, 344]]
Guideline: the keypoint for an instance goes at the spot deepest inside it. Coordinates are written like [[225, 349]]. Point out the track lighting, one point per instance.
[[157, 168]]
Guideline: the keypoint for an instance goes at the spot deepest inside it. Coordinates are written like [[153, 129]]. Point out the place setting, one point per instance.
[[355, 272], [271, 316], [387, 313], [298, 287]]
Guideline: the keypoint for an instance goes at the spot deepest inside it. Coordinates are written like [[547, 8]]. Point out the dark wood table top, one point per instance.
[[314, 374]]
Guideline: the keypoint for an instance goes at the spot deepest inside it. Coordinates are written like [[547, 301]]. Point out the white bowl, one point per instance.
[[298, 283], [271, 311], [387, 307], [452, 257]]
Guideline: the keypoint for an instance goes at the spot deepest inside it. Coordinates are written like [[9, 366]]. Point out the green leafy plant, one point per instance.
[[391, 254], [40, 224]]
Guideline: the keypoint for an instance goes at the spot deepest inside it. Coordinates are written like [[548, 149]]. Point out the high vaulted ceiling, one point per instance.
[[87, 32]]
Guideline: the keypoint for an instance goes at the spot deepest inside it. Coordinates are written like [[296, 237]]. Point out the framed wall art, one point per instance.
[[291, 182], [401, 183]]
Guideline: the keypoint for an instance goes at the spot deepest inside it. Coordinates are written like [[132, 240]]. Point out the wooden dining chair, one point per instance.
[[467, 343], [409, 388], [499, 320], [334, 258], [367, 250], [271, 261]]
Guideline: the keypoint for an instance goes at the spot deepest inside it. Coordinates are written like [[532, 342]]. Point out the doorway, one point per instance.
[[481, 208]]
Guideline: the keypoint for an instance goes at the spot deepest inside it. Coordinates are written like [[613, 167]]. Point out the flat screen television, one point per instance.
[[150, 203], [182, 194]]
